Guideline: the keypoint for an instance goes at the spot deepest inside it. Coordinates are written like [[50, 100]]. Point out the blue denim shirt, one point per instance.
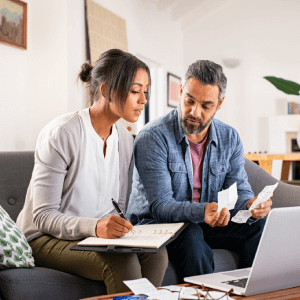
[[162, 189]]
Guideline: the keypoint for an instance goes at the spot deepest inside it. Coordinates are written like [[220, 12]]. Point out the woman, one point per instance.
[[81, 162]]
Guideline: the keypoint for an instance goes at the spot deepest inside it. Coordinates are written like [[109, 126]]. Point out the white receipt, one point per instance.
[[243, 215], [227, 198], [264, 195]]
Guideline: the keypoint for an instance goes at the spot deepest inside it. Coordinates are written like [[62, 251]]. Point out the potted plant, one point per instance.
[[288, 87]]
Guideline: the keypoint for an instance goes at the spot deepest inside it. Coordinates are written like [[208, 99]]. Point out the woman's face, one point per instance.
[[136, 99]]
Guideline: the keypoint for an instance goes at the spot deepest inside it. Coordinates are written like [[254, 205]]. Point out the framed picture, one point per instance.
[[13, 23], [173, 88]]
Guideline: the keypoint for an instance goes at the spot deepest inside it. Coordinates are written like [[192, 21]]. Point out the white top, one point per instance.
[[67, 196], [98, 179]]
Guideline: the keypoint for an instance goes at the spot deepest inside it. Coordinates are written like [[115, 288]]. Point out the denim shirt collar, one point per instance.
[[180, 134]]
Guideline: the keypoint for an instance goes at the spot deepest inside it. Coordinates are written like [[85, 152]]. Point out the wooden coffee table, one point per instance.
[[287, 294]]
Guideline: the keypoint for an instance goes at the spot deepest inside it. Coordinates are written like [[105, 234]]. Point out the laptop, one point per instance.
[[276, 264]]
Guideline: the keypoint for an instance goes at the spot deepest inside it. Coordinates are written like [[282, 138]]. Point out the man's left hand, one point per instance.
[[262, 211]]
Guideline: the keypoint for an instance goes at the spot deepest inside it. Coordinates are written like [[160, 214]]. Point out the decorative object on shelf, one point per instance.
[[231, 63], [173, 88], [13, 23], [293, 108]]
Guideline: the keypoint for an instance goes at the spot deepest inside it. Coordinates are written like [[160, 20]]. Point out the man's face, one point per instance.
[[198, 105]]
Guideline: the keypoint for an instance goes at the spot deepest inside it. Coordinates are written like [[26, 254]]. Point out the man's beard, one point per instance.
[[193, 128]]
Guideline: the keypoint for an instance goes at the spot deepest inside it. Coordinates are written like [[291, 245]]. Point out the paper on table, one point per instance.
[[144, 287], [140, 286], [243, 215], [228, 198]]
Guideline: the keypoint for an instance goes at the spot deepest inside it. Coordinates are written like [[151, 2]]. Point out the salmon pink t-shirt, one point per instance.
[[197, 153]]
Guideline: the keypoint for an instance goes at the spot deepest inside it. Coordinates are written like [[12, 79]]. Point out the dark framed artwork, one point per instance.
[[13, 23], [173, 88]]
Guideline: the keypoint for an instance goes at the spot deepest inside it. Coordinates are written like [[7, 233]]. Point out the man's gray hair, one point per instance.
[[208, 72]]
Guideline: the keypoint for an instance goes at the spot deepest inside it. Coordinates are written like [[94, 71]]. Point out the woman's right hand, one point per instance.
[[113, 227]]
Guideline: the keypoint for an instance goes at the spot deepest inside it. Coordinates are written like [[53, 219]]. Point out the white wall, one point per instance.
[[264, 36], [39, 84], [14, 97]]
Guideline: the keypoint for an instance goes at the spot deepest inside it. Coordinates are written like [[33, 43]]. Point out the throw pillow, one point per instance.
[[15, 251]]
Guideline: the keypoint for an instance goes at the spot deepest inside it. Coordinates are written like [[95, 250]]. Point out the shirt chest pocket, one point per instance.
[[178, 174], [217, 175]]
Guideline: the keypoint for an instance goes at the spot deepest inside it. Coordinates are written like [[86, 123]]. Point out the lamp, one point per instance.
[[231, 63]]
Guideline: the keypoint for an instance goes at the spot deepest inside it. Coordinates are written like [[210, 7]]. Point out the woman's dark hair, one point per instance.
[[116, 69]]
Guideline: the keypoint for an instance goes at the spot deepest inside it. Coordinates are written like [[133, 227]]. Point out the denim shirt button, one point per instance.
[[179, 168], [222, 169]]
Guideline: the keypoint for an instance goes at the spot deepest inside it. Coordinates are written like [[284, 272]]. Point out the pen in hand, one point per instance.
[[115, 204]]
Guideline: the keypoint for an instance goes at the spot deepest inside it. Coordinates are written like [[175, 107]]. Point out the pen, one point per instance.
[[118, 208]]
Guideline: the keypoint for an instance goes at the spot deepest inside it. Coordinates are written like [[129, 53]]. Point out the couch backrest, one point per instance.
[[16, 169], [15, 173]]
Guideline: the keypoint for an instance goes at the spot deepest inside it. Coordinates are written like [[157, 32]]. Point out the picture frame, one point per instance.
[[173, 88], [13, 23]]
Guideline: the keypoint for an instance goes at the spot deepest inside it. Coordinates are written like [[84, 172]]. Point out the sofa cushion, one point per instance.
[[42, 283], [15, 251]]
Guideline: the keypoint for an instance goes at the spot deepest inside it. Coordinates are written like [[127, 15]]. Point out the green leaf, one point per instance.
[[286, 86], [8, 224], [1, 258], [10, 221], [13, 238], [28, 254], [17, 234], [3, 243], [2, 234], [24, 245], [5, 228], [17, 258], [19, 250], [7, 253], [24, 266]]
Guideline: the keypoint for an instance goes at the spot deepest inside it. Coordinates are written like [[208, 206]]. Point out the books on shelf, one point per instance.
[[147, 238], [293, 108]]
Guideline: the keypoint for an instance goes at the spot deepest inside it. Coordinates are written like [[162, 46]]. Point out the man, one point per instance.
[[182, 161]]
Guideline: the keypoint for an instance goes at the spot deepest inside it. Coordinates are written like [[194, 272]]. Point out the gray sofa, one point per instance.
[[43, 283]]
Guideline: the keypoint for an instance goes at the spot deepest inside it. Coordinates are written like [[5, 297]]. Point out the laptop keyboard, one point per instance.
[[238, 282]]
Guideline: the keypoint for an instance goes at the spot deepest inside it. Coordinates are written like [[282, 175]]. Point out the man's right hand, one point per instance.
[[213, 218], [113, 227]]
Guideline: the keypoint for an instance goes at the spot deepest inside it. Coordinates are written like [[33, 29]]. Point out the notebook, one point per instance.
[[276, 264], [143, 238]]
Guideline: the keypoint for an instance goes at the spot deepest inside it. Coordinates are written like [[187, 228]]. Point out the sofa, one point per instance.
[[43, 283]]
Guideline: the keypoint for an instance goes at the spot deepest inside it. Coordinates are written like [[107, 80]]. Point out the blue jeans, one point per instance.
[[191, 252]]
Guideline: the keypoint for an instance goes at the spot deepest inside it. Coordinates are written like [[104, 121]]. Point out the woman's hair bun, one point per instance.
[[86, 71]]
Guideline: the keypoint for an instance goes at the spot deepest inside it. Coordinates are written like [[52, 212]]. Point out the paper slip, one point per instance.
[[243, 215], [264, 195], [227, 198]]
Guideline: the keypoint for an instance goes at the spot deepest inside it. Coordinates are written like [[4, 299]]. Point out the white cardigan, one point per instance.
[[58, 160]]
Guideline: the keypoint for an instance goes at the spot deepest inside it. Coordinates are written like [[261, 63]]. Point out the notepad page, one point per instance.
[[135, 240], [166, 228]]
